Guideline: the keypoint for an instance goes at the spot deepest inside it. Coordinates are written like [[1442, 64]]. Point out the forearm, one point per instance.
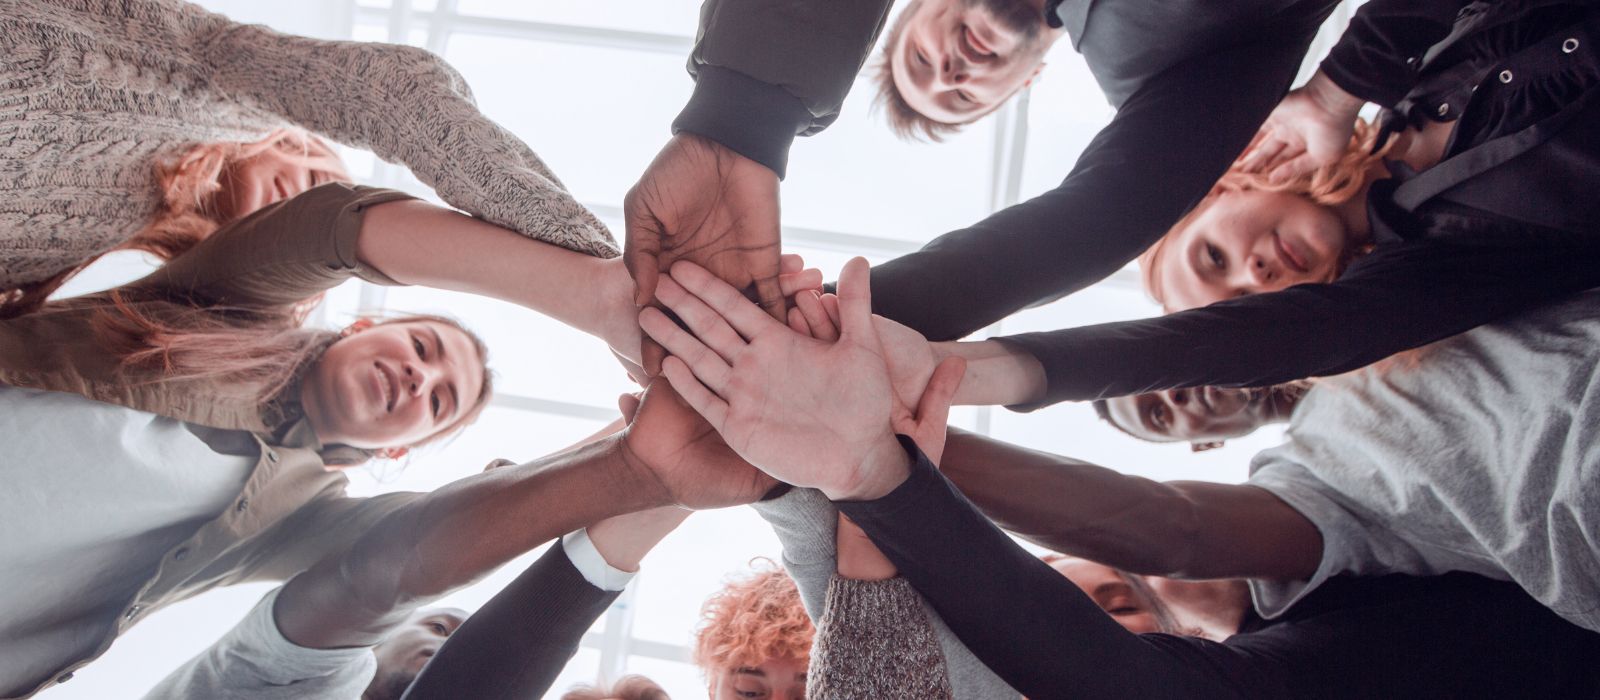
[[998, 374], [623, 540], [1178, 529], [455, 535], [1377, 58], [418, 243]]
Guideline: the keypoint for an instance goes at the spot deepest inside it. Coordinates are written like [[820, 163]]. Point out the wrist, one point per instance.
[[1331, 98], [998, 374], [631, 477], [883, 467]]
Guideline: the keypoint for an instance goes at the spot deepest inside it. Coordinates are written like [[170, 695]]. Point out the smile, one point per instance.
[[388, 386], [1286, 254], [976, 42]]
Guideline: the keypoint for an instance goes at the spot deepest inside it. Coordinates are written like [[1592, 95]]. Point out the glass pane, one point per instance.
[[597, 116], [655, 16], [691, 564]]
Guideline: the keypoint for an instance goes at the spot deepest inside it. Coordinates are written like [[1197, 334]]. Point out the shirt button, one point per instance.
[[1444, 109], [1411, 61], [64, 677], [272, 456], [181, 554], [243, 504], [1570, 45], [133, 612], [1505, 76]]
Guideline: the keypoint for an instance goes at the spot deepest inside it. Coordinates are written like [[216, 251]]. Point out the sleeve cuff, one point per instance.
[[586, 558], [755, 119]]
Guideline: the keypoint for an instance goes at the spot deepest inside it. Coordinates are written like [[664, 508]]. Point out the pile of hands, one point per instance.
[[741, 402]]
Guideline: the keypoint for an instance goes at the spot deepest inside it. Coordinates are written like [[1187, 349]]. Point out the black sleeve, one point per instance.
[[768, 70], [1378, 56], [1029, 624], [517, 643], [1162, 152], [1399, 297]]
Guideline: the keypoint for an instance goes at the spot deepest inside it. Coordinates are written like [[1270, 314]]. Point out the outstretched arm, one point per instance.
[[1187, 529]]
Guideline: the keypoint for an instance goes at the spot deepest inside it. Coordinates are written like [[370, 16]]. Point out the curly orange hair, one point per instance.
[[753, 619], [1329, 185]]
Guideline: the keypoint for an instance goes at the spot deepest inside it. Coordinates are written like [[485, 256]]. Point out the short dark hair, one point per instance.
[[905, 122]]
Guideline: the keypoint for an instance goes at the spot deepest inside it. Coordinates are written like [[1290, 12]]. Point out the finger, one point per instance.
[[628, 404], [830, 304], [1292, 168], [1264, 153], [797, 322], [770, 296], [934, 408], [651, 353], [790, 263], [820, 326], [709, 327], [792, 283], [745, 317], [708, 405], [855, 300], [706, 365], [641, 251]]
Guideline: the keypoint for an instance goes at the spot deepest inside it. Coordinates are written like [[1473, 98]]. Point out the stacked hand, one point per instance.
[[811, 411], [674, 447], [702, 202]]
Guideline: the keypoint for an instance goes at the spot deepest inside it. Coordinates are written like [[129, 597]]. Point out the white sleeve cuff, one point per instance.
[[588, 561]]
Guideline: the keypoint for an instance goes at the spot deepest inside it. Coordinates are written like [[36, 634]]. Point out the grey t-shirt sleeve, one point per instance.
[[255, 661]]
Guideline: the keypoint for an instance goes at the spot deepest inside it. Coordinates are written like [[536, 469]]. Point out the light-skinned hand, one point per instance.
[[809, 412], [703, 202], [1310, 128]]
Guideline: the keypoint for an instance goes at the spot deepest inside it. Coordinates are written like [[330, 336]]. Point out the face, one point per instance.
[[1114, 593], [957, 60], [774, 679], [403, 653], [393, 384], [268, 177], [1200, 414], [1250, 242]]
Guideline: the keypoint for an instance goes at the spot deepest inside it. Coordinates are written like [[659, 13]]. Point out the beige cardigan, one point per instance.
[[94, 92]]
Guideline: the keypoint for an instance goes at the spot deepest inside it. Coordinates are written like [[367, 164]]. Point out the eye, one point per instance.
[[438, 628], [965, 97], [416, 344], [1158, 415], [1124, 610], [434, 401], [922, 59], [1214, 254]]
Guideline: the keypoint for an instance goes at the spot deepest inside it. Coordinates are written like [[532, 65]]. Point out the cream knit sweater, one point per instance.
[[94, 92]]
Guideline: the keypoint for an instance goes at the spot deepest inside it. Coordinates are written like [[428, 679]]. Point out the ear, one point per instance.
[[360, 324], [1206, 445], [392, 452]]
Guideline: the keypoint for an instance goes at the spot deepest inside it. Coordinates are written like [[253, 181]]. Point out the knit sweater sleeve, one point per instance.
[[874, 641], [408, 106]]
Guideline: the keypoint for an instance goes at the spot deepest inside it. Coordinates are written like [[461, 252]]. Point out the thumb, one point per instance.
[[934, 408], [629, 405], [855, 300]]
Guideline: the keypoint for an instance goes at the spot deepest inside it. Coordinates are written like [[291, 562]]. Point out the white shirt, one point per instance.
[[94, 495], [1480, 454]]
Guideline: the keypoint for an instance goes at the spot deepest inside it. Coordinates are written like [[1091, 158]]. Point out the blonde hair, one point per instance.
[[189, 211], [753, 619], [1330, 185], [626, 688]]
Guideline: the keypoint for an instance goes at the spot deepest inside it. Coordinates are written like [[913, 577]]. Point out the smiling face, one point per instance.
[[403, 653], [1248, 242], [1201, 414], [272, 175], [774, 679], [957, 60], [394, 384]]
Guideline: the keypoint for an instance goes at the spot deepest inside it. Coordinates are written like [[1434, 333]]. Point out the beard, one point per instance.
[[1020, 17]]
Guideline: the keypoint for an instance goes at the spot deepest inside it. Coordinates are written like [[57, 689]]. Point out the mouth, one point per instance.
[[388, 386], [1288, 256]]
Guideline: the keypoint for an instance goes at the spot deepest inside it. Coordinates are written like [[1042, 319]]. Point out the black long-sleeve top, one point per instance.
[[1458, 635], [1445, 263], [518, 642]]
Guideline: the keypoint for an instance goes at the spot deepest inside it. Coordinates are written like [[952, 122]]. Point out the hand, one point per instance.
[[675, 447], [910, 357], [702, 202], [1310, 128]]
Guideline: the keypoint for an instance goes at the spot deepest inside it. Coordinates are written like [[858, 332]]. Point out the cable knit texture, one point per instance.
[[94, 92], [873, 642]]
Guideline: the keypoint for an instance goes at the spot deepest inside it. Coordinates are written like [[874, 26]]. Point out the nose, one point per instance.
[[953, 70], [419, 376], [1259, 274]]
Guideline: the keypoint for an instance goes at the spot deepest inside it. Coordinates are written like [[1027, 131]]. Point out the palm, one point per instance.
[[682, 452], [703, 203], [909, 357]]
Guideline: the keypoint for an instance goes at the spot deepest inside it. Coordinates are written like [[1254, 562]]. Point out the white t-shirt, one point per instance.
[[1480, 454], [94, 495], [254, 661]]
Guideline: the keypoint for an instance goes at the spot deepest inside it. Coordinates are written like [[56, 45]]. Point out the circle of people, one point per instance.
[[1408, 293]]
